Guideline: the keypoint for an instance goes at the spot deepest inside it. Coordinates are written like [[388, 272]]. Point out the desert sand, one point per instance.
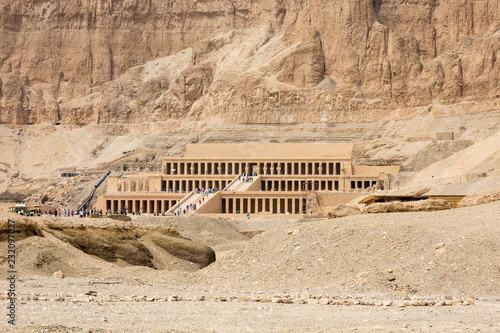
[[420, 272]]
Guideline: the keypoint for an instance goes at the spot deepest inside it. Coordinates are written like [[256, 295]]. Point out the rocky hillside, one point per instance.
[[262, 61]]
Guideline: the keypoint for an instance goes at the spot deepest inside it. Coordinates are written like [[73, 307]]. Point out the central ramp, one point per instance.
[[193, 198]]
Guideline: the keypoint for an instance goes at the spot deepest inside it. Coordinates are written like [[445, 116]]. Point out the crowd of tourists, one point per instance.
[[246, 178], [72, 213]]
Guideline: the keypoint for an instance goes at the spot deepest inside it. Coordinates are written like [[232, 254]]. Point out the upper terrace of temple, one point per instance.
[[266, 159], [270, 151]]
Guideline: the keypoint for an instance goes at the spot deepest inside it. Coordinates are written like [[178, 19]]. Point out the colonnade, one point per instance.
[[188, 185], [300, 185], [278, 205], [362, 184], [140, 205], [261, 168]]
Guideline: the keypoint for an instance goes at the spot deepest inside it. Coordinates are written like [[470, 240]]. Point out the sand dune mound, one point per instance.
[[43, 256], [76, 246], [418, 253], [217, 233], [111, 245]]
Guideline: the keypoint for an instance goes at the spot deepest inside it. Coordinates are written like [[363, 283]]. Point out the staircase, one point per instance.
[[238, 184], [245, 185], [189, 199], [83, 206], [232, 186]]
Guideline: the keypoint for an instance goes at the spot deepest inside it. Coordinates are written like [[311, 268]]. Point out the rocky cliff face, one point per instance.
[[263, 61]]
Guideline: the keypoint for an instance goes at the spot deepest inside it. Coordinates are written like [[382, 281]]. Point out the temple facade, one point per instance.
[[245, 178]]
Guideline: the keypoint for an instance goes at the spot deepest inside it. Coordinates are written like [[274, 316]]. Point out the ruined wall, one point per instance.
[[82, 62]]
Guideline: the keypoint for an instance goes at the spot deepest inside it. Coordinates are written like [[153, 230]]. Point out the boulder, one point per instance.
[[343, 210]]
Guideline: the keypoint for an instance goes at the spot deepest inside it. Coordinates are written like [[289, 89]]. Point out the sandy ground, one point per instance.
[[253, 317], [402, 272]]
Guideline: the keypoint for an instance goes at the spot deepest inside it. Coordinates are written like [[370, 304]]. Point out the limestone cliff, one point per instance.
[[261, 61]]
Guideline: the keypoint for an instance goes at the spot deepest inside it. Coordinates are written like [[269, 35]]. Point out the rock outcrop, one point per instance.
[[118, 242], [414, 206], [479, 198], [343, 210], [240, 61]]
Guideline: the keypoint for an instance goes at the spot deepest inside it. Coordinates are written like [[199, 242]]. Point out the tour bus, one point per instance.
[[26, 210]]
